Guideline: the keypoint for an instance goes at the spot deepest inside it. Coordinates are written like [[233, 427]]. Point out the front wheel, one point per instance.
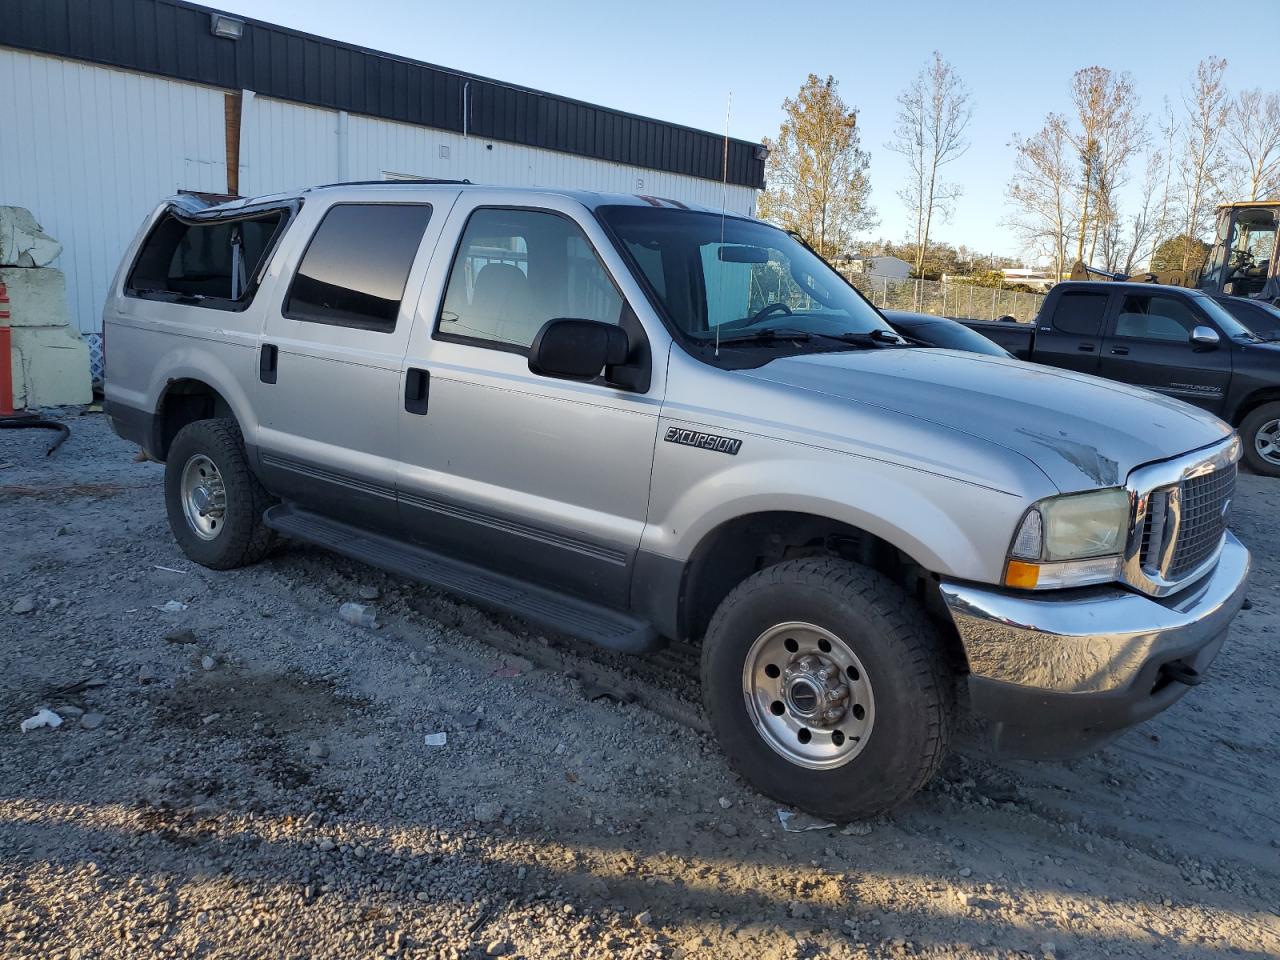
[[827, 688], [1260, 432]]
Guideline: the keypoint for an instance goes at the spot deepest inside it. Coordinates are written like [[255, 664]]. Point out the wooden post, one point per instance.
[[231, 112]]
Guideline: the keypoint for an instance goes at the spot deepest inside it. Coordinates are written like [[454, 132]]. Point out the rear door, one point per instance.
[[1149, 345], [1071, 336], [328, 379]]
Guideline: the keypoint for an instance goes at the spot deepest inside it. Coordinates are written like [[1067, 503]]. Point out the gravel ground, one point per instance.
[[247, 775]]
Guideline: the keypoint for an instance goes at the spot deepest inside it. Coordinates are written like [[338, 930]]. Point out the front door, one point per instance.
[[328, 368], [543, 478], [1150, 346]]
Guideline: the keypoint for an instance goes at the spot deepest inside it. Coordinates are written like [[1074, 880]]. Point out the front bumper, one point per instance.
[[1057, 674]]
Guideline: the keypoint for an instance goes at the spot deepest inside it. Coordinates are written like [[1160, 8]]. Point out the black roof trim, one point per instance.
[[172, 38]]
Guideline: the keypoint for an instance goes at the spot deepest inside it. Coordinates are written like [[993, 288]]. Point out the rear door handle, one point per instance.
[[417, 385], [1120, 351], [267, 361], [1086, 347]]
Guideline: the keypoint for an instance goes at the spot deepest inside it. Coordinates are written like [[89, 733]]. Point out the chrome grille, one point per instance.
[[1180, 517], [1205, 502]]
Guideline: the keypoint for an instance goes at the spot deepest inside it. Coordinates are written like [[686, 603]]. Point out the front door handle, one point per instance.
[[417, 384], [1086, 347], [1120, 351], [267, 361]]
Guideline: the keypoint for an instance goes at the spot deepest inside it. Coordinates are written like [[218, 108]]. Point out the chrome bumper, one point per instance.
[[1095, 640]]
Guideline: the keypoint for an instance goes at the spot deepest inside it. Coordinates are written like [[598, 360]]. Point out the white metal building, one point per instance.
[[106, 108]]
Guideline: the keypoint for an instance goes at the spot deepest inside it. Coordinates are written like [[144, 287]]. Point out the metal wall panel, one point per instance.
[[172, 38], [285, 146], [90, 151]]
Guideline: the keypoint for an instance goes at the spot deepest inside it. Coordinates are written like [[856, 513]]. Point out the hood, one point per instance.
[[1082, 431]]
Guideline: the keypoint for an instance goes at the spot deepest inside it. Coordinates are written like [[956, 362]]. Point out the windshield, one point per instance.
[[738, 278], [1228, 324], [1262, 319]]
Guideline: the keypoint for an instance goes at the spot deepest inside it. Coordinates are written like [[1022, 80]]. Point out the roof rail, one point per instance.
[[418, 181]]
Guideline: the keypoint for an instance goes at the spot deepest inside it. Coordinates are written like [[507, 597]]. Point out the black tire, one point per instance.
[[240, 537], [1249, 427], [904, 663]]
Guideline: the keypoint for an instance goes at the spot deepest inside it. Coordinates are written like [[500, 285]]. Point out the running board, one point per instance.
[[550, 608]]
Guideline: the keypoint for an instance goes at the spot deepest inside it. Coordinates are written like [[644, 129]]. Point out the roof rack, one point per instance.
[[417, 181]]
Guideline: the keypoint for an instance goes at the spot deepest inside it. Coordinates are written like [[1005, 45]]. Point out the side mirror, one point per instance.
[[1206, 337], [577, 349]]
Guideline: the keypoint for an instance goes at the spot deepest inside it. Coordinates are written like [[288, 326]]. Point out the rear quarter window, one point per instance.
[[1080, 313], [205, 263]]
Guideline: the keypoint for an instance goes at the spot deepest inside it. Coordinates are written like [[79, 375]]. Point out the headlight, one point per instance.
[[1070, 541]]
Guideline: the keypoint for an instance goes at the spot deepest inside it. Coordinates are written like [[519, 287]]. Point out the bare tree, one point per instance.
[[1253, 135], [817, 170], [1108, 134], [1043, 190], [933, 114], [1206, 105], [1125, 245]]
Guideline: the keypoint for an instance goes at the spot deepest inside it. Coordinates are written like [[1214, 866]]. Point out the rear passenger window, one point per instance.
[[355, 268], [1080, 313], [517, 269], [216, 261]]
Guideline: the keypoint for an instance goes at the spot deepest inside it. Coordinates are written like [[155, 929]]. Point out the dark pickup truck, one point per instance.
[[1178, 342]]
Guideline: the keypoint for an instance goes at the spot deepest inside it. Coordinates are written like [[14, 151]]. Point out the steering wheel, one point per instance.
[[766, 312]]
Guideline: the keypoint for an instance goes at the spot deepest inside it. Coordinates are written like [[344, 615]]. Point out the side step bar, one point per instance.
[[557, 611]]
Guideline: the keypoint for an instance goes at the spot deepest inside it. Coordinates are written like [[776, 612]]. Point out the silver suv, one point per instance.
[[629, 420]]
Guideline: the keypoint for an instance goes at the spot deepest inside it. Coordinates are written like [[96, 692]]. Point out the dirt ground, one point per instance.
[[244, 774]]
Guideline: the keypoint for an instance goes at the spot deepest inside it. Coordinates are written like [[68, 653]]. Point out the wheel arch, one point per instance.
[[1252, 402]]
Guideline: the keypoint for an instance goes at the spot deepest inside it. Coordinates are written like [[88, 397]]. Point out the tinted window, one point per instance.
[[1155, 318], [215, 261], [1080, 313], [354, 271], [1260, 319], [517, 269]]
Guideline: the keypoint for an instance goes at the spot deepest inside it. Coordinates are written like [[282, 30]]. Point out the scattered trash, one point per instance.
[[45, 718], [437, 739], [170, 606], [358, 615], [169, 569], [800, 822]]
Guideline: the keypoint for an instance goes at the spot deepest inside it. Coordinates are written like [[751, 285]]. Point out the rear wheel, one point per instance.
[[1260, 432], [215, 503], [827, 688]]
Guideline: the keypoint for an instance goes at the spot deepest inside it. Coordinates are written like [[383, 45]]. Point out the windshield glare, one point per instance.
[[1228, 324], [736, 277]]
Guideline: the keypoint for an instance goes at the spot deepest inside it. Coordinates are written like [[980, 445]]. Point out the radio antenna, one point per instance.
[[724, 200]]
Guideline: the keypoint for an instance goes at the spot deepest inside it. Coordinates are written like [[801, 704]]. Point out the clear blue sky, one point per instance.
[[678, 61]]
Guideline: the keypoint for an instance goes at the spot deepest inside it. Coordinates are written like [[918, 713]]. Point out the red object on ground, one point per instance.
[[6, 355]]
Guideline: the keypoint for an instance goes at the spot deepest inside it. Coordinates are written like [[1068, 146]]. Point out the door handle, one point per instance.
[[267, 361], [1086, 347], [1120, 351], [417, 384]]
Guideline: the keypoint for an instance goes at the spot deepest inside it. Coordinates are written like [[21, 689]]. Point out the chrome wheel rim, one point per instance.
[[808, 695], [204, 496], [1267, 441]]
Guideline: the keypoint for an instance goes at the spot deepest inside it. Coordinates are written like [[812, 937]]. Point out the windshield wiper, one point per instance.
[[767, 335], [871, 340]]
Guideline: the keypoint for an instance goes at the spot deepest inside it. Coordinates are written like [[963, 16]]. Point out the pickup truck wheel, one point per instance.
[[1260, 431], [827, 688], [214, 501]]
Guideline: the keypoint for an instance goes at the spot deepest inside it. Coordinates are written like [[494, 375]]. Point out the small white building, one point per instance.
[[894, 268], [107, 108]]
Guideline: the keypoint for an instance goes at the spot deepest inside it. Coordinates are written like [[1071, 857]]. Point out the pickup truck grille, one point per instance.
[[1193, 515]]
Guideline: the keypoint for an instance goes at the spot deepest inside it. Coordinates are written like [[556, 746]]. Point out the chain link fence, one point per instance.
[[962, 300]]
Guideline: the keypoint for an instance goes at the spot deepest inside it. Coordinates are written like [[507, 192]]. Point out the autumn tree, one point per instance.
[[933, 114], [1180, 253], [1253, 138], [1042, 190], [1107, 133], [1206, 106], [817, 170]]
